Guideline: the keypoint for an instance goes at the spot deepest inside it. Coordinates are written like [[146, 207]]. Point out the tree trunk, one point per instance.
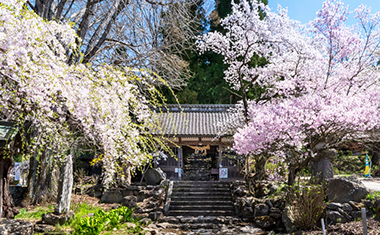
[[42, 180], [247, 177], [7, 209], [291, 175], [259, 175], [260, 168]]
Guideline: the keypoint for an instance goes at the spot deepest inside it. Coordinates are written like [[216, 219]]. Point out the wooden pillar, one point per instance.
[[220, 152], [180, 157]]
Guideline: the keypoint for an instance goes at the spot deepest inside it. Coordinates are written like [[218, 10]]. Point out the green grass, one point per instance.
[[81, 210], [34, 214]]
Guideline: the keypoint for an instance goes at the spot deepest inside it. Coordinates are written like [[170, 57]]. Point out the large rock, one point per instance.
[[15, 227], [336, 217], [156, 215], [129, 201], [377, 208], [275, 213], [112, 196], [334, 206], [154, 176], [343, 190], [356, 215], [261, 210], [244, 208], [43, 228], [265, 221], [240, 192], [347, 207]]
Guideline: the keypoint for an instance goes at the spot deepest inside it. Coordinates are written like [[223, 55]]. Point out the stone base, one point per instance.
[[54, 219], [322, 170]]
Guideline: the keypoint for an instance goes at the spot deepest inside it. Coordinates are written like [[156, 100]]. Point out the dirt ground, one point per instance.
[[351, 228]]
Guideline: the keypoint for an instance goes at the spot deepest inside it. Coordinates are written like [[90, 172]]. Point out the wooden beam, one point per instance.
[[1, 188]]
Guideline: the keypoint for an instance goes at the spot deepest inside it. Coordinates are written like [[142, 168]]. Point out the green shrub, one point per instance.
[[346, 163], [307, 204], [102, 221], [373, 196]]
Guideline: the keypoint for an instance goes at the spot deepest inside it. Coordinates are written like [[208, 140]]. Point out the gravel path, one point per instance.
[[371, 183]]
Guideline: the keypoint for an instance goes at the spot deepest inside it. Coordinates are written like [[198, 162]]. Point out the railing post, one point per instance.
[[323, 226], [364, 219]]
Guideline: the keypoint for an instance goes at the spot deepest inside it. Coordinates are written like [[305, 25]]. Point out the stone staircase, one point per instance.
[[201, 198], [203, 207]]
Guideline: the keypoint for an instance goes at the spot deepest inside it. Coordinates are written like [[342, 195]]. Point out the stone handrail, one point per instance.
[[168, 198]]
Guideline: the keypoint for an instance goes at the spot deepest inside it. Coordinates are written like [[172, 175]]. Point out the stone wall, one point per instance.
[[148, 199], [266, 213], [272, 213]]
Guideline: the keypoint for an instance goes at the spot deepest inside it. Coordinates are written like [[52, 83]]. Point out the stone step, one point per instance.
[[192, 160], [201, 198], [201, 212], [192, 193], [202, 207], [205, 182], [202, 202], [210, 189], [201, 184], [199, 162], [201, 219], [193, 226]]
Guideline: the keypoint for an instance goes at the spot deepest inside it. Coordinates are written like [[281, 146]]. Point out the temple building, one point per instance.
[[201, 152]]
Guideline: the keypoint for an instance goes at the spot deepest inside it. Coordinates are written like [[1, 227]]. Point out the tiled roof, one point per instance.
[[8, 131], [193, 120]]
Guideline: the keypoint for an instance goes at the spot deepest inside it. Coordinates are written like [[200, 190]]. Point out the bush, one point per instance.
[[346, 163], [373, 196], [307, 204], [102, 221]]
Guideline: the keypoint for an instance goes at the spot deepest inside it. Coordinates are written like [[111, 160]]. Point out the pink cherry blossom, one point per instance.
[[322, 79]]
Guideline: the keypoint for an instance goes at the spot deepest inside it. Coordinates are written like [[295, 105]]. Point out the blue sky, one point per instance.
[[305, 10]]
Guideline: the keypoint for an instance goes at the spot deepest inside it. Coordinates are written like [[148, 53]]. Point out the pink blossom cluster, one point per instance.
[[322, 79], [69, 104]]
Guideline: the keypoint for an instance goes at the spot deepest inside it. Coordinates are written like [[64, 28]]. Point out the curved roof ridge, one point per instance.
[[197, 107]]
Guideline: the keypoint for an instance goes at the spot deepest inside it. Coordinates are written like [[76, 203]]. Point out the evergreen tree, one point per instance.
[[206, 84]]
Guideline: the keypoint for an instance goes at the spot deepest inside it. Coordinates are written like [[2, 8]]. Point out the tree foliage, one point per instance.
[[72, 105], [321, 82], [144, 34]]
